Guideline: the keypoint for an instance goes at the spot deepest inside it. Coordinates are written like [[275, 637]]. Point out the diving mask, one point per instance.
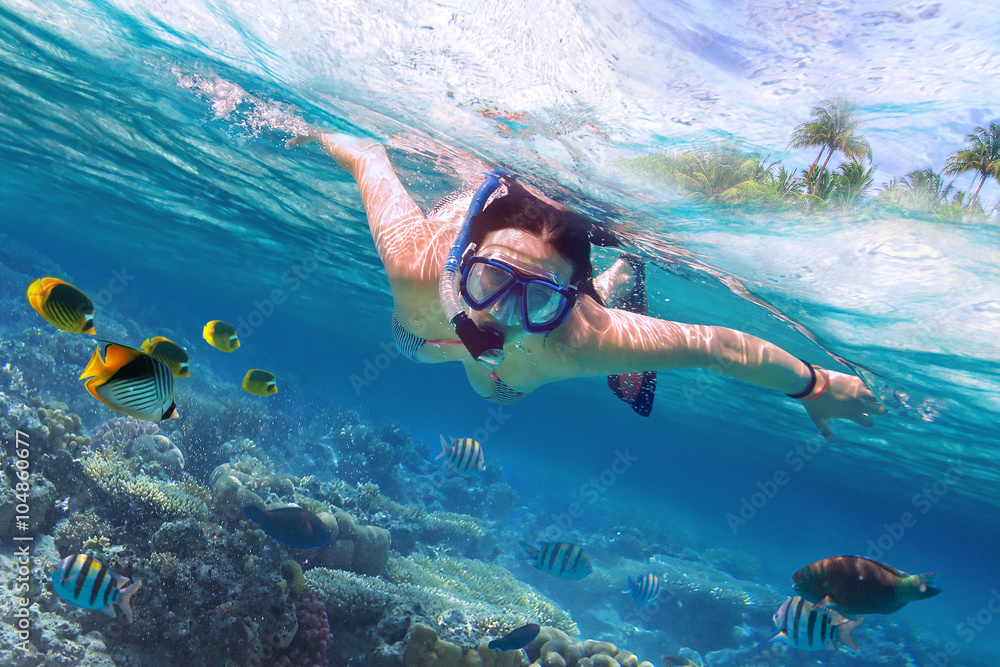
[[515, 292]]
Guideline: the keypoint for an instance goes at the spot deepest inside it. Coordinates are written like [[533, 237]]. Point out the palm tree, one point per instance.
[[920, 190], [832, 127], [723, 174], [852, 183], [982, 156]]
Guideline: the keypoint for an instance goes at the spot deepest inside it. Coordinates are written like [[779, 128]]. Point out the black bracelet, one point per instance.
[[812, 382]]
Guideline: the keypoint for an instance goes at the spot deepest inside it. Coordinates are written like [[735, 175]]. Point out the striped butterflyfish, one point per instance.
[[564, 560], [644, 589], [221, 335], [463, 456], [62, 305], [83, 581], [170, 353], [260, 383], [131, 382], [803, 626]]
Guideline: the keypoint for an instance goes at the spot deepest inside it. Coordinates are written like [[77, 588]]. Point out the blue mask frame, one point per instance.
[[521, 280]]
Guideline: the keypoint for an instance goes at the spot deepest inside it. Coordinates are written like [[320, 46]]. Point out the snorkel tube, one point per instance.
[[484, 344]]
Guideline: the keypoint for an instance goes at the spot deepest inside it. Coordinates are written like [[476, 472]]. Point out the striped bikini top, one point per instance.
[[408, 344]]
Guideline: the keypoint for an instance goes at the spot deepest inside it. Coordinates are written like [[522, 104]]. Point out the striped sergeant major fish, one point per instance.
[[803, 626], [644, 589], [83, 581], [463, 456], [564, 560], [131, 382]]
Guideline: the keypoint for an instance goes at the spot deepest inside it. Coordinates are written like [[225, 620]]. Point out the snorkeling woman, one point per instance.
[[500, 279]]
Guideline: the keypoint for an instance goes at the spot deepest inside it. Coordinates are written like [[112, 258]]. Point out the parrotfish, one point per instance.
[[221, 335], [464, 456], [516, 639], [83, 581], [170, 353], [803, 626], [564, 560], [62, 305], [131, 382], [260, 383], [295, 526], [644, 589], [855, 585]]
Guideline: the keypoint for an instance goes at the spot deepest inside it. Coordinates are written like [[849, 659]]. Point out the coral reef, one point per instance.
[[73, 532], [472, 599], [118, 477], [292, 572], [360, 549], [310, 640], [159, 456], [58, 428], [482, 583], [247, 480], [120, 432], [411, 525], [371, 454], [551, 648], [219, 591]]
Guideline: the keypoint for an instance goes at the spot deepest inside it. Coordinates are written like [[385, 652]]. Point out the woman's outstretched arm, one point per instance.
[[603, 341], [408, 245]]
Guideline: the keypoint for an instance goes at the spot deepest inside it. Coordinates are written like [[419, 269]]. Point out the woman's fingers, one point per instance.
[[865, 420], [825, 429], [300, 140]]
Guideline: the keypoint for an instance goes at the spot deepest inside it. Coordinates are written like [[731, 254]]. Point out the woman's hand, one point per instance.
[[301, 140], [846, 398]]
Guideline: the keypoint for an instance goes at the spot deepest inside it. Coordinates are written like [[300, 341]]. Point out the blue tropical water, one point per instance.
[[143, 160]]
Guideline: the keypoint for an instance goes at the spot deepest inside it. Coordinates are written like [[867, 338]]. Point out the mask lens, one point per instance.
[[543, 303], [485, 281], [507, 310]]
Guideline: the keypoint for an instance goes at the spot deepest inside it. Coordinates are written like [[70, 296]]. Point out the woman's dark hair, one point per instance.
[[567, 232]]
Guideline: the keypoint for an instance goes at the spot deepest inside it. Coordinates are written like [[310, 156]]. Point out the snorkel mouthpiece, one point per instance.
[[485, 343]]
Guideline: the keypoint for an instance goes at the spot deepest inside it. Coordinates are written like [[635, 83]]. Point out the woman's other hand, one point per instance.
[[846, 398], [301, 140]]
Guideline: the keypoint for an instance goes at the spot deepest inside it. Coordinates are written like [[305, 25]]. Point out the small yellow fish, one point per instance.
[[170, 353], [221, 335], [260, 383], [131, 382], [62, 305]]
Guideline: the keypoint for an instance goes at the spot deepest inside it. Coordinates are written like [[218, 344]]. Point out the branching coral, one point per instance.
[[351, 598], [116, 476], [72, 533], [481, 582], [429, 526], [473, 599]]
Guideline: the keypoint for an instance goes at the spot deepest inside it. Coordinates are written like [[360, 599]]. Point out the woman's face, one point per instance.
[[527, 249]]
